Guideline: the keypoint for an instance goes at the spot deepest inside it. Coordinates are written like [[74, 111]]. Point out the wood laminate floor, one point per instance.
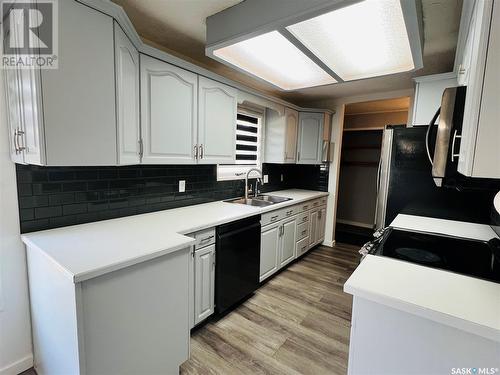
[[297, 323]]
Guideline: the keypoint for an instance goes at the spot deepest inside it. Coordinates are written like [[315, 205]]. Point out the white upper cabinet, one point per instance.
[[479, 147], [281, 136], [22, 90], [428, 94], [169, 108], [310, 138], [127, 99], [79, 96], [217, 122]]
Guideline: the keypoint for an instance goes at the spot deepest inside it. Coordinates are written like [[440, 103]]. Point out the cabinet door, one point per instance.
[[34, 152], [464, 67], [320, 230], [14, 116], [310, 138], [269, 250], [79, 97], [204, 283], [288, 241], [217, 122], [480, 134], [169, 105], [191, 289], [292, 123], [313, 224], [127, 99], [12, 92]]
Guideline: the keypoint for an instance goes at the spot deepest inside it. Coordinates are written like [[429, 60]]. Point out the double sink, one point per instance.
[[259, 200]]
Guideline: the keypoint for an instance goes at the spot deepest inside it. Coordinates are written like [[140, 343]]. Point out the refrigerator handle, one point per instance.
[[378, 174], [428, 132]]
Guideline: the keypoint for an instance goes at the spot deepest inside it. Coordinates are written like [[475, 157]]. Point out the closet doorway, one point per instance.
[[364, 124]]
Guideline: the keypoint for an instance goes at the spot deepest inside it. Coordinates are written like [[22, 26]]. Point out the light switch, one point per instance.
[[266, 178], [182, 186]]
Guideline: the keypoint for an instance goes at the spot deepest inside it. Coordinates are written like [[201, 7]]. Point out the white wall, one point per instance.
[[15, 330]]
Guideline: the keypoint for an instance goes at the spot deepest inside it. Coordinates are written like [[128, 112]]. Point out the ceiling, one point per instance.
[[375, 106], [178, 27]]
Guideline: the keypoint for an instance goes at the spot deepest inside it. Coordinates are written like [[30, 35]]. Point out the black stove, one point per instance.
[[469, 257]]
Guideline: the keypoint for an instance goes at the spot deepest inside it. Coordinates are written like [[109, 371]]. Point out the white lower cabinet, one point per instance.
[[313, 225], [320, 229], [204, 283], [290, 232], [269, 250], [288, 236], [128, 321]]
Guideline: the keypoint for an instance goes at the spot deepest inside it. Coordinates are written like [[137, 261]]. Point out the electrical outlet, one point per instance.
[[281, 178], [266, 178], [182, 186]]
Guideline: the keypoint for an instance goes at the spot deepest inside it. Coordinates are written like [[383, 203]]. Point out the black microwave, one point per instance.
[[443, 145]]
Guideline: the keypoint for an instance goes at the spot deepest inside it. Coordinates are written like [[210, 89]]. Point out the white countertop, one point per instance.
[[89, 250], [463, 302], [440, 226]]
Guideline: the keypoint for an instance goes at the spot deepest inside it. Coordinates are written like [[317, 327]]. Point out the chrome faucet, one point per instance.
[[246, 181]]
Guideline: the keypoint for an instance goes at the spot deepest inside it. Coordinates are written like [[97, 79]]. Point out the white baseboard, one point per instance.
[[328, 243], [19, 366], [355, 223]]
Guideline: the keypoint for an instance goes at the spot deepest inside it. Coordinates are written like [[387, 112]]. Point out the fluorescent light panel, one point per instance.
[[275, 59], [363, 40]]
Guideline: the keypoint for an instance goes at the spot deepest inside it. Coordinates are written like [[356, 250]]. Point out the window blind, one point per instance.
[[247, 139]]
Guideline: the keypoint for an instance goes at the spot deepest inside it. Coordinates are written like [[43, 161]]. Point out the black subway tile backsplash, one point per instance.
[[51, 197]]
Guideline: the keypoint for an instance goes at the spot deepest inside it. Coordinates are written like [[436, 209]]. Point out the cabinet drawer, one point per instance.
[[204, 238], [290, 211], [316, 203], [302, 246], [302, 230], [272, 217], [306, 206], [303, 218]]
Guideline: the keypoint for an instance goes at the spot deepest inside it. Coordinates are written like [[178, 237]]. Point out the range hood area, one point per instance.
[[317, 42]]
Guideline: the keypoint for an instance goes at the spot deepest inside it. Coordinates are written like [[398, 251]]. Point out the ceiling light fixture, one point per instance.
[[317, 42], [275, 59], [367, 39]]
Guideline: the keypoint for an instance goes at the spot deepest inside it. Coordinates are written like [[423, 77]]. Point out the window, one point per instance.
[[248, 146]]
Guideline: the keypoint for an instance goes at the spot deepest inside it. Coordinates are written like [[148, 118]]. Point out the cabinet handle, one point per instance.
[[304, 231], [201, 151], [289, 213], [304, 219], [305, 207], [273, 218], [141, 147], [453, 154], [19, 133], [16, 146], [196, 152]]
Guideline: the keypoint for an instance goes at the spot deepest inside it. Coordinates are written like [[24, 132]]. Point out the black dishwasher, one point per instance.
[[238, 262]]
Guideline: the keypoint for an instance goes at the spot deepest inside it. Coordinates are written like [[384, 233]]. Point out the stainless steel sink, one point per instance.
[[260, 200], [250, 202], [272, 198]]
